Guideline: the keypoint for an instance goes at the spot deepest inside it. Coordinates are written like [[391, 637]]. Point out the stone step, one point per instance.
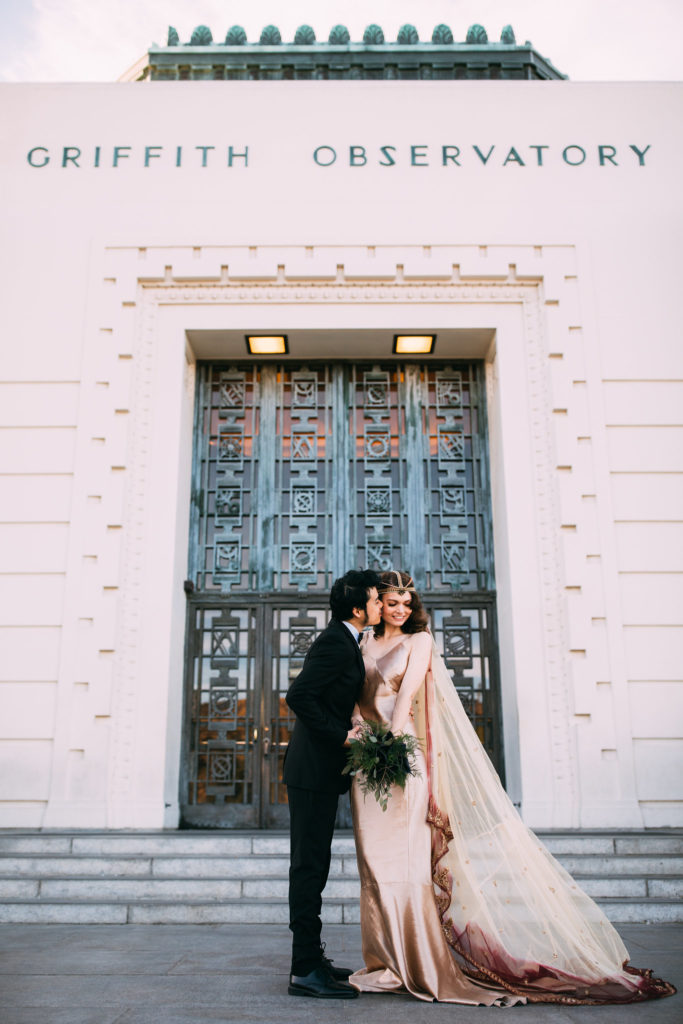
[[274, 911], [266, 888], [182, 843], [274, 865], [205, 877]]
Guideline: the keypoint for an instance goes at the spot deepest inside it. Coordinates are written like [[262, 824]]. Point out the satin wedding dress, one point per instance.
[[460, 902]]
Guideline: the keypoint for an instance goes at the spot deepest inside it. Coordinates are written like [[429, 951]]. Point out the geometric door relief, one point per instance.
[[303, 471], [300, 473]]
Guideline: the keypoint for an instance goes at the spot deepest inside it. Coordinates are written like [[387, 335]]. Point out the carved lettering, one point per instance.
[[120, 153], [640, 153], [325, 156], [70, 155], [450, 154], [204, 150], [606, 153], [151, 155], [539, 154], [573, 163], [484, 159], [513, 156], [417, 154], [38, 161]]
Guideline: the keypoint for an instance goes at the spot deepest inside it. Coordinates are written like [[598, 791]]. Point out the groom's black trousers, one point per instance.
[[311, 816]]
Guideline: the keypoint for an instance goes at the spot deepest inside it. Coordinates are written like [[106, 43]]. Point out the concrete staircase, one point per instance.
[[241, 877]]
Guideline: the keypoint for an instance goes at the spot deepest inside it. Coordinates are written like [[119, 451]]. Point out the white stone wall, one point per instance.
[[117, 279]]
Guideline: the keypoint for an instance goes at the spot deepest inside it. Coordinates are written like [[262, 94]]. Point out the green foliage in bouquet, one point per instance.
[[381, 760]]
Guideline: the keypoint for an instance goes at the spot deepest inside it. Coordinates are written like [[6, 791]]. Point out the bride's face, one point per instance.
[[396, 608]]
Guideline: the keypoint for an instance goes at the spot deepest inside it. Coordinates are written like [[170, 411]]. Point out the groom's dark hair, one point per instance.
[[351, 591]]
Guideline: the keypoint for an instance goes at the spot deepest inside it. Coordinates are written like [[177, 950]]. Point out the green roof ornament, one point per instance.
[[339, 36], [407, 35], [442, 36], [373, 36], [476, 34], [201, 36], [508, 36], [173, 37], [304, 36], [270, 36], [236, 36]]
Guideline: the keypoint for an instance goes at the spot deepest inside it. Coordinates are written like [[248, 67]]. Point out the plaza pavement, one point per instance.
[[199, 974]]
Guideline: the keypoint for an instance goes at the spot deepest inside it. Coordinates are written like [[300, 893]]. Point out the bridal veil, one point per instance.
[[512, 915]]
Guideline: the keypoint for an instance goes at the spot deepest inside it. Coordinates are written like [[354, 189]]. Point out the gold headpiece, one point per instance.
[[399, 587]]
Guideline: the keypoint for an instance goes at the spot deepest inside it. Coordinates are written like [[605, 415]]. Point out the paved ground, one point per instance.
[[196, 974]]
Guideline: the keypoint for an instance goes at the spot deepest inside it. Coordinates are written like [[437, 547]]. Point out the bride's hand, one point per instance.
[[351, 735]]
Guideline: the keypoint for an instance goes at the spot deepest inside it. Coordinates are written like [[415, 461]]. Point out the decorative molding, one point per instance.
[[555, 646], [126, 673], [152, 295], [258, 293]]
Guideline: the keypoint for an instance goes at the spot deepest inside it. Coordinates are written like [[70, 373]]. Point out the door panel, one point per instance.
[[300, 473]]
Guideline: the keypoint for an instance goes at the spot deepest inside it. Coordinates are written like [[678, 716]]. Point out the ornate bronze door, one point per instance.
[[299, 474]]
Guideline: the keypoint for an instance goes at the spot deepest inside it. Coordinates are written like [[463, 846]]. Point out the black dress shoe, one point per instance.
[[320, 984], [338, 973]]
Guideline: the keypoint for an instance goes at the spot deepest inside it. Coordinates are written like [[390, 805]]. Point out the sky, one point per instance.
[[98, 40]]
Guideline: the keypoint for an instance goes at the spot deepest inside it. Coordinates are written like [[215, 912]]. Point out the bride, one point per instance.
[[460, 902]]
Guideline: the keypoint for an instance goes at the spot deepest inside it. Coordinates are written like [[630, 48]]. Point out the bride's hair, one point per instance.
[[402, 583]]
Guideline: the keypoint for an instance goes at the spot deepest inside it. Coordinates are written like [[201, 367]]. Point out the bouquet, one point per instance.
[[382, 760]]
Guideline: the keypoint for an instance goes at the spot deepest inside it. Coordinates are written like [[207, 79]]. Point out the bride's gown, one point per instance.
[[404, 948], [459, 900]]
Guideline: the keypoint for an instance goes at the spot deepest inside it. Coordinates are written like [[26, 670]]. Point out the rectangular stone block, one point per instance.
[[351, 913], [265, 888], [209, 913], [653, 652], [645, 913], [23, 888], [38, 404], [75, 866], [649, 844], [665, 888], [634, 888], [656, 710], [174, 844], [219, 867], [652, 599], [25, 766], [140, 888], [650, 403], [615, 866], [645, 449], [34, 844], [27, 710], [659, 770], [643, 496], [35, 599], [33, 548], [577, 844], [35, 499], [37, 450], [343, 889], [62, 913], [278, 844], [344, 845]]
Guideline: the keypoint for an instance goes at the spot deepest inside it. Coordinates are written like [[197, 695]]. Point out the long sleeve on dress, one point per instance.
[[416, 670]]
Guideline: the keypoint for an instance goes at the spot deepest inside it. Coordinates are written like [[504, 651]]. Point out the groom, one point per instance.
[[322, 697]]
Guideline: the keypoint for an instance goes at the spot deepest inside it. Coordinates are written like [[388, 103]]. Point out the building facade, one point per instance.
[[175, 507]]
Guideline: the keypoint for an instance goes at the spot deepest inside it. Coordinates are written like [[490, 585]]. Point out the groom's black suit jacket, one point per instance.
[[322, 697]]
